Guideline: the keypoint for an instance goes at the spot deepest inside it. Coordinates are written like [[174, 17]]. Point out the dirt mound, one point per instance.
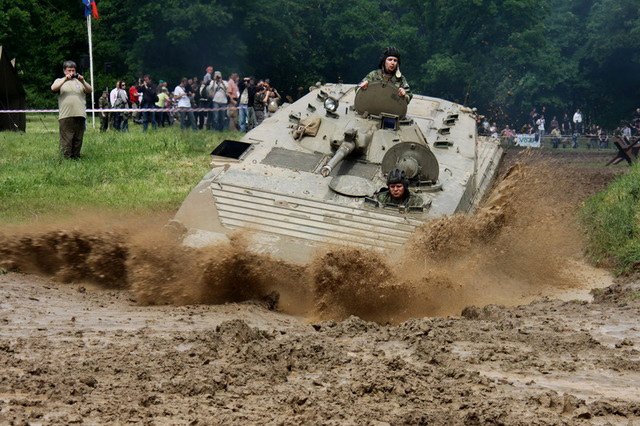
[[620, 294], [239, 331]]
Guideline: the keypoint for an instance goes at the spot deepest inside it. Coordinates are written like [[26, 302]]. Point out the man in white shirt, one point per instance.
[[184, 103], [540, 122], [577, 121], [119, 99]]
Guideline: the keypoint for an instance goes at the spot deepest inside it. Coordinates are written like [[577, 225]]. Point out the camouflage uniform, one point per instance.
[[378, 75], [412, 200], [103, 102]]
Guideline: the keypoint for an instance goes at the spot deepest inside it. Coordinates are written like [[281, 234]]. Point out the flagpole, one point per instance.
[[93, 101]]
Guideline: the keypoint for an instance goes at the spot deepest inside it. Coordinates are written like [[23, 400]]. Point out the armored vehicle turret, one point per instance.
[[309, 174]]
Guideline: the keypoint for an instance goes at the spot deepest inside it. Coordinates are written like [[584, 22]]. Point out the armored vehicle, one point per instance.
[[308, 175]]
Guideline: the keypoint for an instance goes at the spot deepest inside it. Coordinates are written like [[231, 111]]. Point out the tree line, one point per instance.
[[501, 56]]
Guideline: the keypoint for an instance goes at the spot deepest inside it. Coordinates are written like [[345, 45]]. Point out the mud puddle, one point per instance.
[[588, 386]]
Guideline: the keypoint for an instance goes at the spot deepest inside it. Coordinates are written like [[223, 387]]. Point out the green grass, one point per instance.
[[612, 222], [121, 172]]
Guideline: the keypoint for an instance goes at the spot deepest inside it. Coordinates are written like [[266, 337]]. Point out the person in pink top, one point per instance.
[[234, 95]]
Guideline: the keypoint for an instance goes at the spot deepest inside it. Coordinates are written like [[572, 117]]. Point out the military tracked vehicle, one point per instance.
[[308, 175]]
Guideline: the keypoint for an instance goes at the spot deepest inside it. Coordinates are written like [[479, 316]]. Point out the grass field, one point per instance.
[[132, 172], [612, 221]]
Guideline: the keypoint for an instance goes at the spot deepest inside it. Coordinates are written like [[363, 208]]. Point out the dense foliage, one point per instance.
[[502, 56]]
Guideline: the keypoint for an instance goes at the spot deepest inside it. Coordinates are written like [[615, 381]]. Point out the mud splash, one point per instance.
[[516, 247], [164, 272], [157, 268], [68, 256]]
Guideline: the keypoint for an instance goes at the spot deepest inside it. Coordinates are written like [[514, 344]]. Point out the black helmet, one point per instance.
[[398, 176], [389, 51]]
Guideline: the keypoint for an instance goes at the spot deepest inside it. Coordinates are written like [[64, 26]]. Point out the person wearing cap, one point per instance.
[[218, 94], [247, 89], [163, 116], [389, 71], [397, 193]]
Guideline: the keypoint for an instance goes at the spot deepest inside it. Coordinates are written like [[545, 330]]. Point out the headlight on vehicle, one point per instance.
[[331, 104]]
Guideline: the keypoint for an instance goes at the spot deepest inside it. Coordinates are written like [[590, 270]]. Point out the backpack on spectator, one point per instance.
[[203, 92], [120, 102]]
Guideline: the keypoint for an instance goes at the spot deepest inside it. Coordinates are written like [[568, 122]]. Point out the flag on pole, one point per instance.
[[90, 8]]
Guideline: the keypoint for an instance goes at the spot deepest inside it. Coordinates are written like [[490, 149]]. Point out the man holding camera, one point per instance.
[[247, 89], [149, 99], [72, 104], [260, 101], [218, 94]]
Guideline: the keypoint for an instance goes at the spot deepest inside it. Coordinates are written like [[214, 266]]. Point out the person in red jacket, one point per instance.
[[134, 100]]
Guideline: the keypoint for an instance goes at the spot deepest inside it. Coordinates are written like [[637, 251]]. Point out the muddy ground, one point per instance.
[[495, 318]]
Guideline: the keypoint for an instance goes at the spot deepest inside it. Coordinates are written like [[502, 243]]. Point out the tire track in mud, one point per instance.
[[520, 243]]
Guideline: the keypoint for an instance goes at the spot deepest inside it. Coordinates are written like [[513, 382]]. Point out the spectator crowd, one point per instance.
[[234, 103], [220, 104], [567, 131]]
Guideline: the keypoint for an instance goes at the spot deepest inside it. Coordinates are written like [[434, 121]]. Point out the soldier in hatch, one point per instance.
[[389, 71], [397, 192]]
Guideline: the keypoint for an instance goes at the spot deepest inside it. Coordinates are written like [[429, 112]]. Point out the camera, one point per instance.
[[74, 75]]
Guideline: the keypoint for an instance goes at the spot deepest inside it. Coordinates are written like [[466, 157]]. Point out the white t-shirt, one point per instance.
[[219, 92], [183, 99], [577, 117]]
